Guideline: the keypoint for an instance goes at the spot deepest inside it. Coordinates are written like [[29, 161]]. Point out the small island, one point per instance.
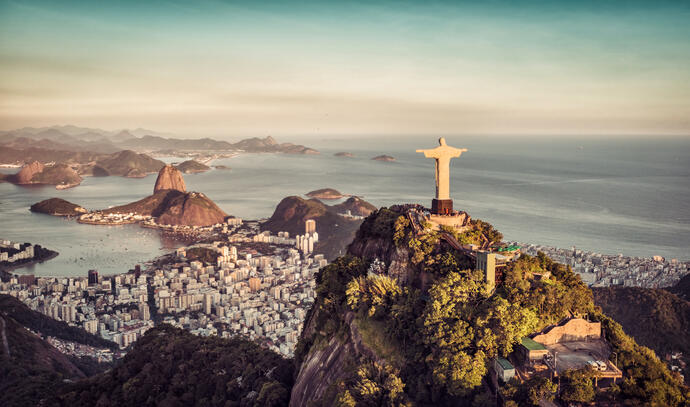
[[192, 167], [221, 167], [57, 207], [326, 193], [344, 154], [386, 158]]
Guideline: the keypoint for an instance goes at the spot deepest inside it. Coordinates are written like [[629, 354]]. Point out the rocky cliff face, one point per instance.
[[329, 359], [169, 177], [26, 174], [329, 363]]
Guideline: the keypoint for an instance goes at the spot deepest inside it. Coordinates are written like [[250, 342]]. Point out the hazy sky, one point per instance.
[[231, 69]]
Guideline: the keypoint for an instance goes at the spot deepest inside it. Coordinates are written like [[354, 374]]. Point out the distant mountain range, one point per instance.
[[82, 139]]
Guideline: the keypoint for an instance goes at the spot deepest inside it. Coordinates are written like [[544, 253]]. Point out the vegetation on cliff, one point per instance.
[[429, 340]]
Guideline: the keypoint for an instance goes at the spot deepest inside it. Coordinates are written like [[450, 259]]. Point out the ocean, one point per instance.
[[611, 196]]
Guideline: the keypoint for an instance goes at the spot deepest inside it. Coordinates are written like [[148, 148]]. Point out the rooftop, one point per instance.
[[531, 344], [505, 364]]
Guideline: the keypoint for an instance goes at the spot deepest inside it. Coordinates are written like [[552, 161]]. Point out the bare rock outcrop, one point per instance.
[[26, 174], [169, 177], [326, 364]]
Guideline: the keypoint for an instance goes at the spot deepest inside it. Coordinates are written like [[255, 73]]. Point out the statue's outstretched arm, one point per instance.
[[458, 152]]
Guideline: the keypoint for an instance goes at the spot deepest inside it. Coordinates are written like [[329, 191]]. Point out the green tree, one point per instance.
[[373, 384], [372, 294], [273, 394], [578, 385], [540, 388]]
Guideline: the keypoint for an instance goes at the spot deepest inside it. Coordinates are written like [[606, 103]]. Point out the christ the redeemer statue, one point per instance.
[[442, 204]]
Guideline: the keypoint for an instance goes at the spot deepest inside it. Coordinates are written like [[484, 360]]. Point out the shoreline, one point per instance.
[[7, 269], [90, 222]]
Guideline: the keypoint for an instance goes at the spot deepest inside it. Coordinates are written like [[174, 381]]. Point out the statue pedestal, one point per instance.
[[442, 206]]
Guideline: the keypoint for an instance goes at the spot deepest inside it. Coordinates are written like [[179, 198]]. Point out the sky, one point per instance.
[[229, 69]]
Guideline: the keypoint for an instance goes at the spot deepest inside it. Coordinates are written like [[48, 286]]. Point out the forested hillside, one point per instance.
[[171, 367]]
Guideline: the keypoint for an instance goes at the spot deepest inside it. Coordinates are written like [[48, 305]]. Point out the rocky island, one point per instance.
[[384, 157], [326, 193], [58, 207], [344, 154], [192, 167]]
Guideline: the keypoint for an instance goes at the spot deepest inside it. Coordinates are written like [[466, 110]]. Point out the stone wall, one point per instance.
[[576, 329]]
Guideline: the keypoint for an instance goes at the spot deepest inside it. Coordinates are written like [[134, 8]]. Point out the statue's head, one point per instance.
[[442, 141]]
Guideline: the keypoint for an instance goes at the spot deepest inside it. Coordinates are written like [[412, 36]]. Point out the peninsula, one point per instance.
[[169, 207], [60, 175]]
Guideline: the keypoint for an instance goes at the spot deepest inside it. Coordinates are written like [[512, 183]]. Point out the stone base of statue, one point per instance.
[[442, 206]]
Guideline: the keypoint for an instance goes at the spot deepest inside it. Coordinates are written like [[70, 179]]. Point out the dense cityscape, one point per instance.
[[261, 290], [602, 270]]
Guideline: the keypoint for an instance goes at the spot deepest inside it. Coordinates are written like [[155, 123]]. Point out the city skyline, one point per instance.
[[226, 70]]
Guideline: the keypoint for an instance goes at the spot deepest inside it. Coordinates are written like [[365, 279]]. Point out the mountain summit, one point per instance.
[[169, 177]]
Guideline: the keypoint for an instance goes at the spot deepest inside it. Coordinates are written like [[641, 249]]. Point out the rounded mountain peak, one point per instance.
[[169, 177]]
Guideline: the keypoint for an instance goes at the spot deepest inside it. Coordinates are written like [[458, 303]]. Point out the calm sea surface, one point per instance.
[[620, 196]]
